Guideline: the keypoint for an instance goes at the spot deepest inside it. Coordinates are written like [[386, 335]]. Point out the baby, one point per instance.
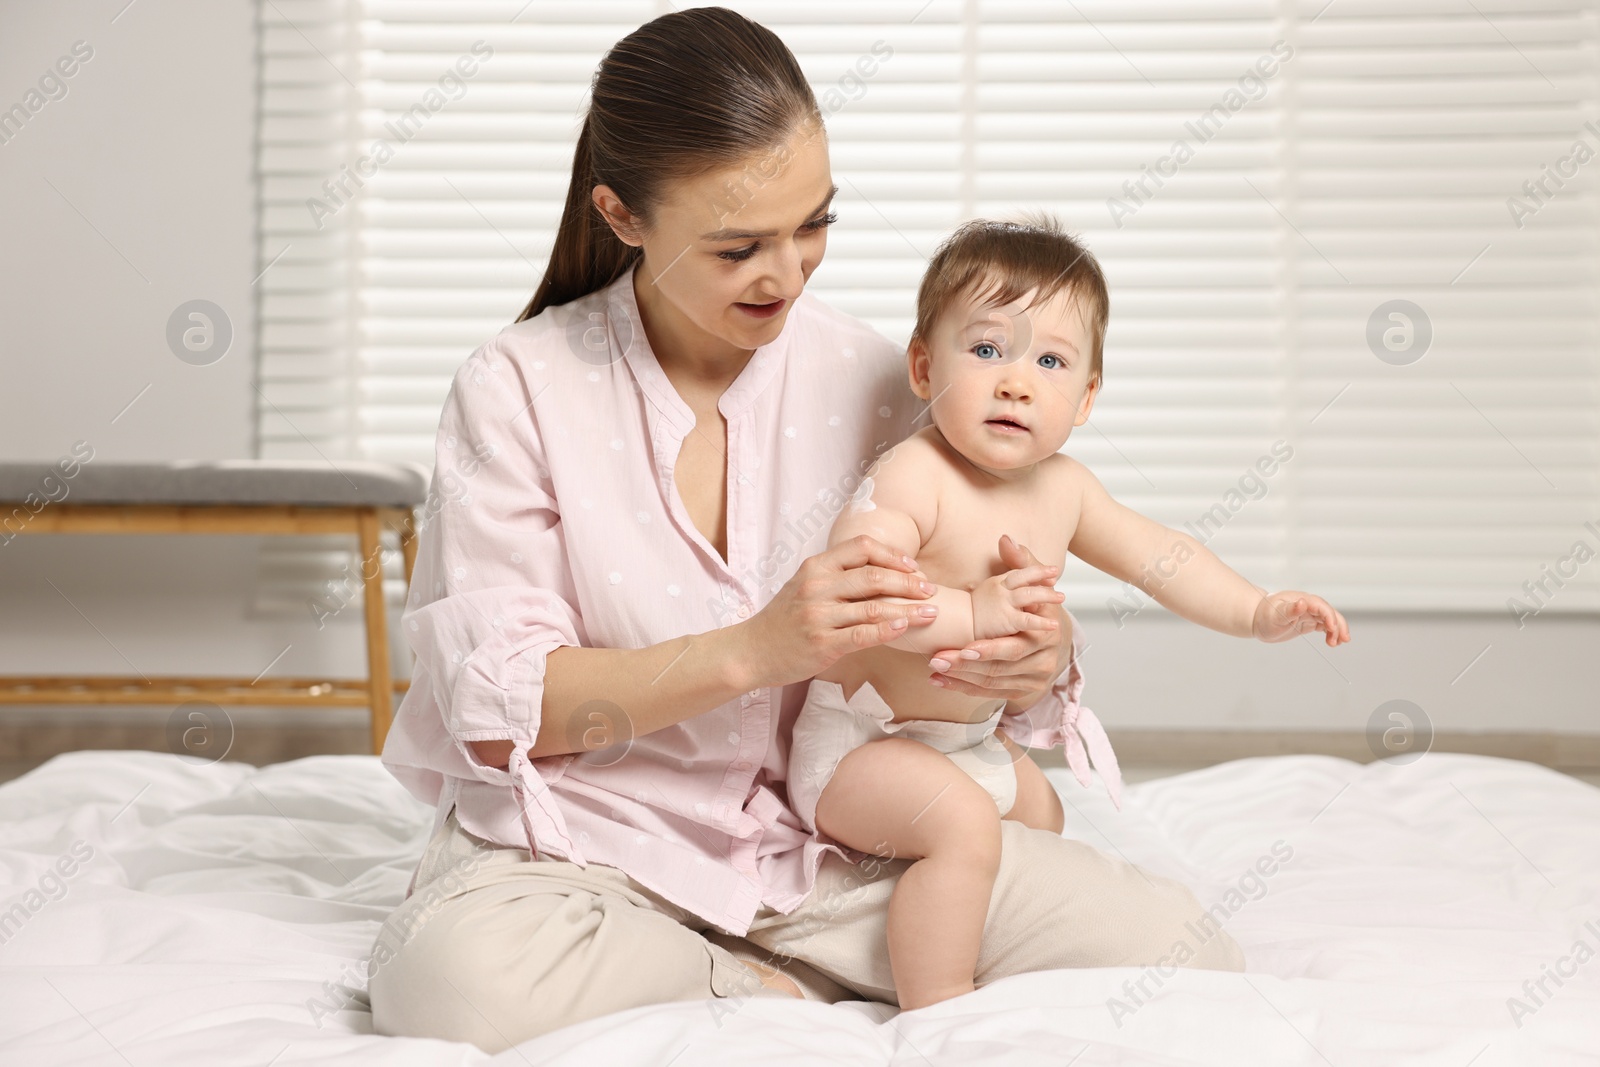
[[1007, 351]]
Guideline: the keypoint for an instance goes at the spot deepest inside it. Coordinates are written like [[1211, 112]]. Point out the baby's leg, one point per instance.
[[900, 797], [1038, 804]]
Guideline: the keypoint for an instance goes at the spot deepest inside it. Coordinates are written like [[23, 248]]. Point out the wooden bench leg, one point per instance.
[[407, 529], [379, 684], [404, 523]]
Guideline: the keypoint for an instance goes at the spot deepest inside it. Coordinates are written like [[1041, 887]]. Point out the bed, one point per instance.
[[161, 910]]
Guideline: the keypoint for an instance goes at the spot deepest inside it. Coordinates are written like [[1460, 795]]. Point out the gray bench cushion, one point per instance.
[[351, 483]]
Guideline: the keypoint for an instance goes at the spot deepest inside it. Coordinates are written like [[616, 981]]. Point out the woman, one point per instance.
[[622, 595]]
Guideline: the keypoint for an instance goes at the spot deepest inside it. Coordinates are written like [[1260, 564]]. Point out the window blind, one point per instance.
[[1465, 478], [1340, 354]]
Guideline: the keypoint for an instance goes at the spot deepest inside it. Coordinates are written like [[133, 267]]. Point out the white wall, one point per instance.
[[152, 146], [125, 198], [1161, 671]]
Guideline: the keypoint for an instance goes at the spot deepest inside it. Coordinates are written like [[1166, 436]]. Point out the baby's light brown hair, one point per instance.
[[1001, 261]]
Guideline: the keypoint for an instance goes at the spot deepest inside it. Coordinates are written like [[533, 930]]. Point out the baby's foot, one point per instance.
[[773, 978]]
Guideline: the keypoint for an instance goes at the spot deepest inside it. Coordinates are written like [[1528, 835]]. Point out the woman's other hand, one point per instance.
[[828, 610], [1019, 668]]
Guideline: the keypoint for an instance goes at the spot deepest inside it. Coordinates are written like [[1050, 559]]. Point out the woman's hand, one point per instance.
[[827, 610], [1019, 668], [1290, 614]]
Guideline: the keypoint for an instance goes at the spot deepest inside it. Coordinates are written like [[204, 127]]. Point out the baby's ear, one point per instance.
[[1087, 403], [918, 361]]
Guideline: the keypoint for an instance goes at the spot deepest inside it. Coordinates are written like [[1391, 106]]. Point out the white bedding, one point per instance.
[[219, 899]]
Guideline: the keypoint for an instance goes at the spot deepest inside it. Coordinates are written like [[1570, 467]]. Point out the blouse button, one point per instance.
[[743, 612]]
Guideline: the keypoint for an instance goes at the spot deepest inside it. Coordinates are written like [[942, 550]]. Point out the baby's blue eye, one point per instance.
[[985, 350], [1055, 360]]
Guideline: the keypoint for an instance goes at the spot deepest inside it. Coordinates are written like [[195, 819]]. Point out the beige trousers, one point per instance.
[[493, 949]]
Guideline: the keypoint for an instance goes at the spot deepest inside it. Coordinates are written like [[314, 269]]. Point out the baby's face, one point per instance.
[[1007, 383]]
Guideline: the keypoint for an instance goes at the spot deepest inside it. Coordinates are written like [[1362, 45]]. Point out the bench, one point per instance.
[[240, 497]]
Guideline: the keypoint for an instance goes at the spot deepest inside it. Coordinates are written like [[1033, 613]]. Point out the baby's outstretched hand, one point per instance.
[[1000, 604], [1290, 614]]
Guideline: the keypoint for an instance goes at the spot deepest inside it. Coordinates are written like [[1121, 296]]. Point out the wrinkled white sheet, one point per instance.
[[225, 912]]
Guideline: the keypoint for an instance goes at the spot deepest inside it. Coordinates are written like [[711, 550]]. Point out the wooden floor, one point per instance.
[[30, 736]]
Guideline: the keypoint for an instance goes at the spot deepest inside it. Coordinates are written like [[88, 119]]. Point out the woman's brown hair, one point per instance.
[[686, 93]]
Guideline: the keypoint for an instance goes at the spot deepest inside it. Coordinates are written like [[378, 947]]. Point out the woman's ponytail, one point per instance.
[[586, 255], [685, 93]]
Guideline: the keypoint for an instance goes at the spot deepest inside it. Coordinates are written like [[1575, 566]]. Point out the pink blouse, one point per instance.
[[553, 520]]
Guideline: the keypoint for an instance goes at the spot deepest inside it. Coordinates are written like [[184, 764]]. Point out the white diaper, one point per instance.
[[829, 727]]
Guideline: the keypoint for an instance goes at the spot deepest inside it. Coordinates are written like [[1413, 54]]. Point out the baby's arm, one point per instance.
[[896, 504], [1187, 578]]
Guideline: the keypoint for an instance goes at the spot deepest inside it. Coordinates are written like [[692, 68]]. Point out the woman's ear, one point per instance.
[[918, 361], [628, 227]]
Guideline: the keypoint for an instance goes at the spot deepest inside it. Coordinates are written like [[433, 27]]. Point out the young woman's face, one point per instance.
[[731, 250]]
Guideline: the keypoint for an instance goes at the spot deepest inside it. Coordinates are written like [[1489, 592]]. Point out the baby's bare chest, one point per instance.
[[964, 546]]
